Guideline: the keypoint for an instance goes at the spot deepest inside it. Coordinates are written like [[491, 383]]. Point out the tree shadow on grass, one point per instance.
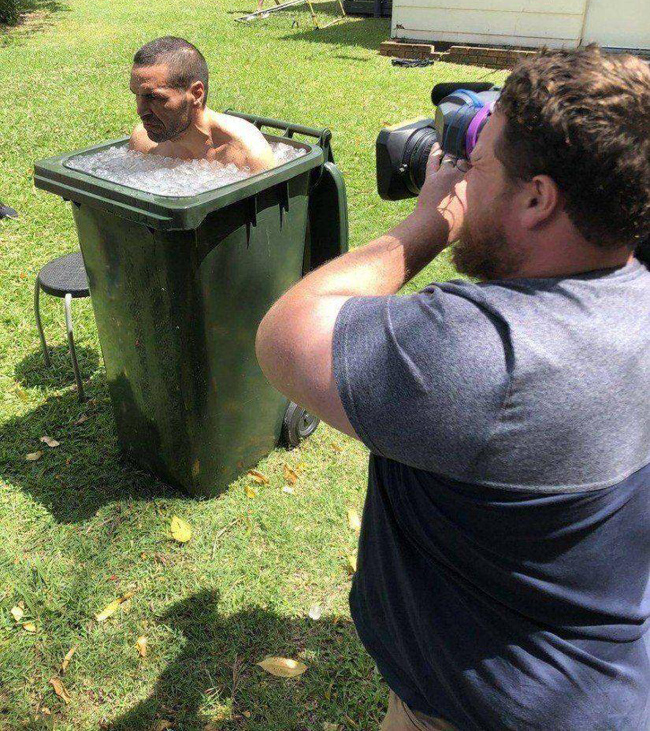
[[215, 678], [32, 372], [362, 32], [34, 17], [74, 480]]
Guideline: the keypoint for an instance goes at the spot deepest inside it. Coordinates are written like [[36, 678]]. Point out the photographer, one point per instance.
[[504, 556]]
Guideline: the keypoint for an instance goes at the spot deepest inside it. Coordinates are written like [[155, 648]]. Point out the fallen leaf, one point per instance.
[[81, 419], [283, 667], [258, 477], [163, 726], [337, 447], [315, 611], [33, 456], [17, 613], [22, 394], [246, 714], [60, 689], [250, 492], [50, 442], [353, 520], [46, 711], [331, 726], [141, 644], [30, 627], [290, 475], [288, 490], [352, 564], [113, 607], [66, 659], [181, 531]]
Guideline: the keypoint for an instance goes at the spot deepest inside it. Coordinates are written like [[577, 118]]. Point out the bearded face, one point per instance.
[[484, 250], [165, 111]]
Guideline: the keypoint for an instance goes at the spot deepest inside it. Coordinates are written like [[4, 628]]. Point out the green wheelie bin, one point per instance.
[[179, 287]]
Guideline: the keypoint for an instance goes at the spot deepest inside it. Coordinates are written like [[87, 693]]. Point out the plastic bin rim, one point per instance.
[[157, 211]]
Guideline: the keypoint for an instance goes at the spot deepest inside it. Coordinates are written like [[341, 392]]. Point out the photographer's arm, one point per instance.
[[294, 340]]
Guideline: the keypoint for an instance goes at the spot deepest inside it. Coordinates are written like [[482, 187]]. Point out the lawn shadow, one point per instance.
[[32, 372], [215, 679], [362, 32], [86, 471], [34, 17]]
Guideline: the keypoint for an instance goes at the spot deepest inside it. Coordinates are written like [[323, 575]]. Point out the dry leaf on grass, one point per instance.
[[22, 394], [81, 419], [331, 726], [163, 725], [18, 612], [50, 442], [33, 456], [337, 447], [181, 531], [352, 564], [66, 659], [113, 607], [258, 477], [30, 627], [250, 492], [315, 611], [353, 520], [60, 689], [290, 475], [141, 644], [283, 667]]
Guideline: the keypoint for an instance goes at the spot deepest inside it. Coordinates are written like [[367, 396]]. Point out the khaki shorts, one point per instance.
[[401, 718]]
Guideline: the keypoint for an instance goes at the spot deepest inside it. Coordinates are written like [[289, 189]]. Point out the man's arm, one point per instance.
[[294, 340]]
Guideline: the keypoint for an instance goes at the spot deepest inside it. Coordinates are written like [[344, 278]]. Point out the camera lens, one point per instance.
[[416, 155]]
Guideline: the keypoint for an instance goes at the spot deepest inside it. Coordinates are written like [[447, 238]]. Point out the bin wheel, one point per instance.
[[298, 424]]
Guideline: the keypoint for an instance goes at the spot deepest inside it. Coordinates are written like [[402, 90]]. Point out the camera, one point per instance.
[[462, 109]]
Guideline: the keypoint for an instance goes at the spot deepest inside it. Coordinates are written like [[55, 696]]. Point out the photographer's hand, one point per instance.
[[443, 192]]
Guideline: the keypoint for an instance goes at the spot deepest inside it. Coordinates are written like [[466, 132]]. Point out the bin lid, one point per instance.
[[160, 212]]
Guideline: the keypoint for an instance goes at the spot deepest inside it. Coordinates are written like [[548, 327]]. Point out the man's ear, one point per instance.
[[543, 201], [197, 90]]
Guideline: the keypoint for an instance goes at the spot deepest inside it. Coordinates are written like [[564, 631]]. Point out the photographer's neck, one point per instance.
[[562, 252]]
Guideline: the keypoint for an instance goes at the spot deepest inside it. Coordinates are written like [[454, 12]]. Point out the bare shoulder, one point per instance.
[[248, 137], [140, 141], [235, 126]]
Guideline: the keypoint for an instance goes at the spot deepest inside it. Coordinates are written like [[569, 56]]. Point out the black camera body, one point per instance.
[[402, 150]]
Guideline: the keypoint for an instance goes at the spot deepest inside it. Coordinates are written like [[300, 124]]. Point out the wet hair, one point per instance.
[[582, 117], [185, 61]]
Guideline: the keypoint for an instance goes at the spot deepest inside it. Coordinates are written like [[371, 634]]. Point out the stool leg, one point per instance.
[[73, 354], [39, 324]]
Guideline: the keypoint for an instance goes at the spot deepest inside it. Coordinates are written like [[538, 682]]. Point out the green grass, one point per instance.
[[80, 527]]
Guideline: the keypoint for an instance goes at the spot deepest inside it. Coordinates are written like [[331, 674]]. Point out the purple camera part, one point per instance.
[[471, 136]]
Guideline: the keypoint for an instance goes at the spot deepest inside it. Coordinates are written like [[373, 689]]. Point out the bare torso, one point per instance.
[[219, 137]]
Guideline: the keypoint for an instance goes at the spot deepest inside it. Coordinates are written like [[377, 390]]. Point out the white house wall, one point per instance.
[[620, 23]]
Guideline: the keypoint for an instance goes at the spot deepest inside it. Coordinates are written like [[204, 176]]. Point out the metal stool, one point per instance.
[[63, 277]]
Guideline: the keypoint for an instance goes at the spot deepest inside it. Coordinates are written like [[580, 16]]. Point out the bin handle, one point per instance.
[[324, 136]]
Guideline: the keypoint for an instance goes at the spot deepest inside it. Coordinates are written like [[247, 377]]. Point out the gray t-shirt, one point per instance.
[[539, 384], [504, 559]]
